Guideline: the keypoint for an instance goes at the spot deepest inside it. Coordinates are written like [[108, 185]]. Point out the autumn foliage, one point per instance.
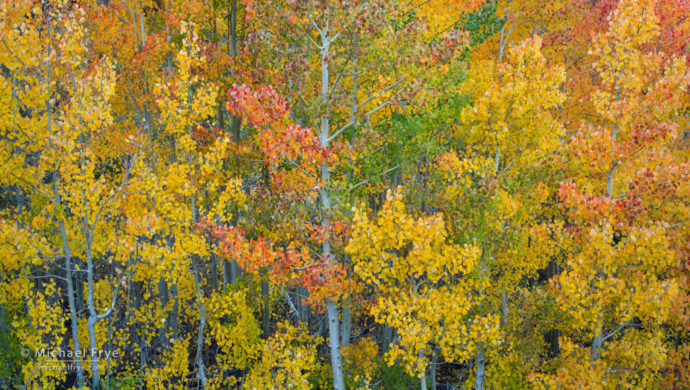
[[368, 194]]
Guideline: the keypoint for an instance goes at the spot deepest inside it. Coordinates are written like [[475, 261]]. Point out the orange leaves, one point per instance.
[[178, 12], [337, 231], [292, 152], [258, 254], [625, 192], [262, 107], [588, 209], [252, 255], [675, 27], [326, 280], [647, 196], [285, 265]]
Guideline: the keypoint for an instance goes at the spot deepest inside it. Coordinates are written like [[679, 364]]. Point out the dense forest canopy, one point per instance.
[[363, 194]]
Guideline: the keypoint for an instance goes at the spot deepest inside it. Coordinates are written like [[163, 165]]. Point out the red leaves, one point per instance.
[[584, 208], [292, 153], [337, 231], [648, 191], [647, 135], [262, 107], [250, 255], [674, 19], [325, 279], [285, 266], [253, 255], [658, 186]]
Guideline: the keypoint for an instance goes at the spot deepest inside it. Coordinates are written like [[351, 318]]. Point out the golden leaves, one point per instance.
[[421, 281], [513, 100], [287, 360]]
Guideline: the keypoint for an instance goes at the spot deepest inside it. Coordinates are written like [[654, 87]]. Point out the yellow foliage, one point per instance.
[[511, 114], [360, 360], [423, 284], [174, 370], [286, 361]]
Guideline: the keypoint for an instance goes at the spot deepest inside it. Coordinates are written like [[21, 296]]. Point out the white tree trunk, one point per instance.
[[331, 306], [479, 364]]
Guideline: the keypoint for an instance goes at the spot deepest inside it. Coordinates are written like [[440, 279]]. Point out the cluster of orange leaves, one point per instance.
[[287, 266]]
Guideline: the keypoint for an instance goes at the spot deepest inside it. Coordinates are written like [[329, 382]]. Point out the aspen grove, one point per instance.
[[326, 194]]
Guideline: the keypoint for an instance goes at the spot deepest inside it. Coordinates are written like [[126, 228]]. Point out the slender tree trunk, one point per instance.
[[346, 326], [233, 28], [504, 307], [596, 345], [434, 364], [220, 124], [143, 357], [598, 339], [214, 272], [387, 337], [304, 314], [336, 363], [479, 365], [174, 312], [331, 306], [202, 323], [231, 271], [79, 291], [227, 274], [163, 297], [422, 381], [95, 376], [93, 315], [322, 326], [3, 323], [554, 346], [265, 294], [110, 348], [172, 319], [69, 275], [141, 336], [72, 306]]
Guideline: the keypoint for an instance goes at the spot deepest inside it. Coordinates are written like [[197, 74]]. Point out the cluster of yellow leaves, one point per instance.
[[186, 98], [175, 368], [397, 248], [454, 176], [360, 360], [621, 281], [512, 105], [635, 361], [441, 15], [576, 371], [286, 361], [234, 329], [423, 284], [20, 247], [42, 329]]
